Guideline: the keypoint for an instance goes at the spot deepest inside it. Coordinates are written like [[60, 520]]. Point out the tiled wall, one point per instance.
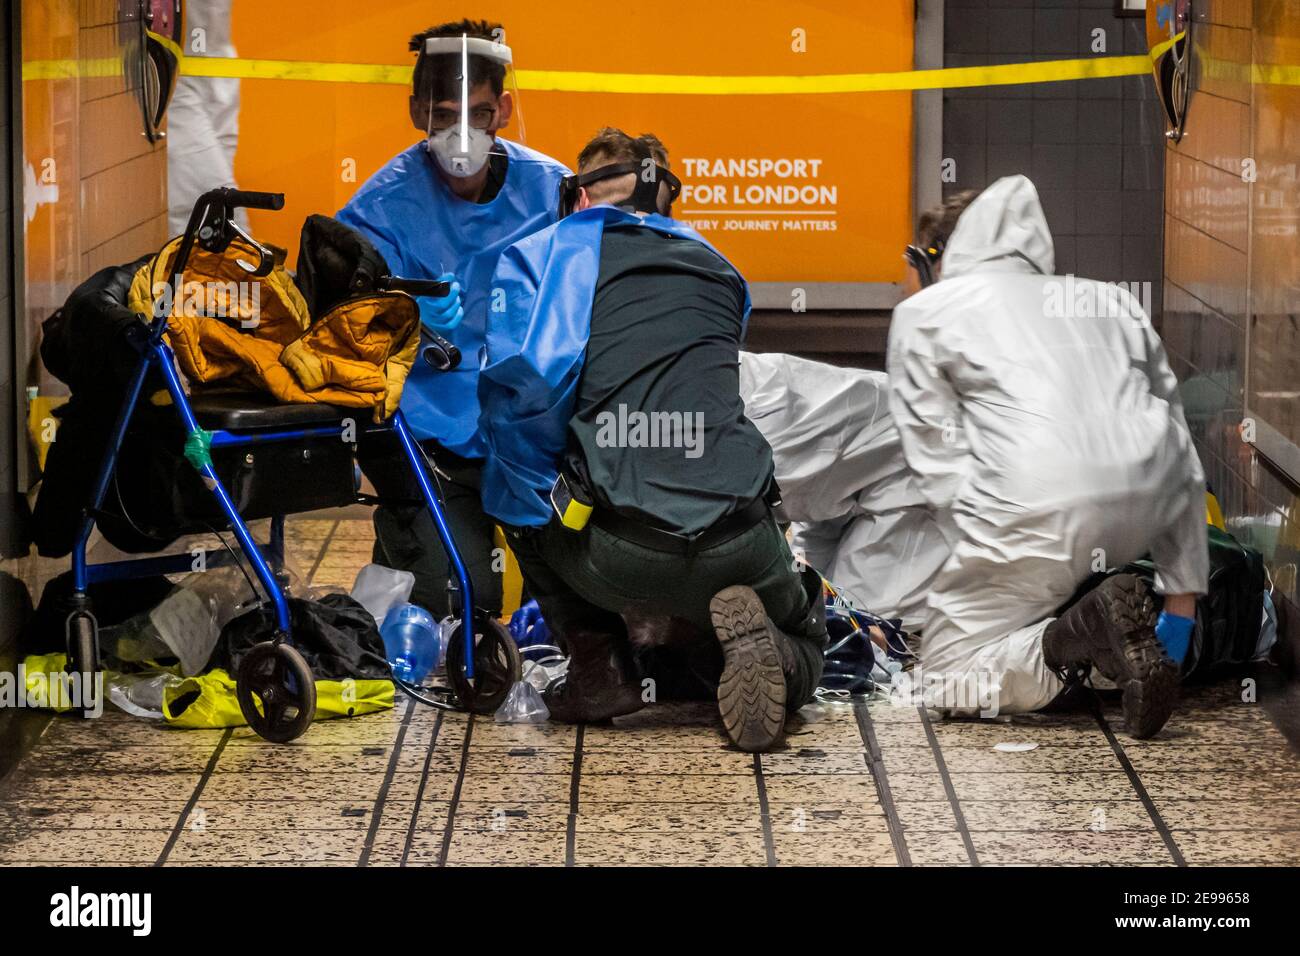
[[1232, 280], [111, 181], [8, 390], [95, 193], [1092, 147], [13, 592]]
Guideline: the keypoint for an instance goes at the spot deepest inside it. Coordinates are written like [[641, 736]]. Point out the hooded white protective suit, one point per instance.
[[857, 515], [1042, 424]]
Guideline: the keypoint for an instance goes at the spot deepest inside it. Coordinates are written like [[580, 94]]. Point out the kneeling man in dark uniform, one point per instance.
[[621, 462]]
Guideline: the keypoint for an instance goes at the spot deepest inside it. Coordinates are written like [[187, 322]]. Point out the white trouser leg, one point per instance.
[[981, 645], [1007, 675], [994, 597]]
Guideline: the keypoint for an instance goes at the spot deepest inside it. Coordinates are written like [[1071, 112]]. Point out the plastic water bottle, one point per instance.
[[412, 642]]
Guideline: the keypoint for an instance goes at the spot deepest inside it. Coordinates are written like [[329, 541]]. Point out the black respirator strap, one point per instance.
[[570, 185], [645, 195], [925, 259]]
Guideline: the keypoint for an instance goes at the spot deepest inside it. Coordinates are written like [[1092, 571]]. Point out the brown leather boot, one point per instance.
[[598, 685], [1112, 628]]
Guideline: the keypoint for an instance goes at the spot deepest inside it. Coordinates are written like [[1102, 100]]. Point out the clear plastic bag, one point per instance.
[[523, 705], [545, 672], [447, 632], [184, 625], [141, 695], [379, 589]]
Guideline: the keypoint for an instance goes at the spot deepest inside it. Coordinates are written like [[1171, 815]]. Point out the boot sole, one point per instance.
[[1150, 685], [751, 692]]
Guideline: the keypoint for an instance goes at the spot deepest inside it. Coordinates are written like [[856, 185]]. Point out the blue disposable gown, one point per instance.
[[535, 348], [422, 230]]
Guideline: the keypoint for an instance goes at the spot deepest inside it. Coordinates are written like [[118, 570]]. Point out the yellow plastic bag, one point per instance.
[[209, 700]]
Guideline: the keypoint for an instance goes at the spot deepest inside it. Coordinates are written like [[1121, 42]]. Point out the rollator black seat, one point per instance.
[[165, 497], [243, 411]]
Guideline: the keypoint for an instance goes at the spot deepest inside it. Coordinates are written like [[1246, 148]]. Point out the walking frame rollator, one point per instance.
[[274, 685]]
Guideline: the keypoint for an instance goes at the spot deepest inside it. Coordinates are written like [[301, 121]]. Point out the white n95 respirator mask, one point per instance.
[[460, 156], [460, 149]]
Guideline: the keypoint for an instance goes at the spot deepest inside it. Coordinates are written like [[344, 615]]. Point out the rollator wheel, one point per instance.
[[497, 665], [83, 652], [276, 692]]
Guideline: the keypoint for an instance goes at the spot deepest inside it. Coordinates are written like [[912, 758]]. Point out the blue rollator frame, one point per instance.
[[285, 682]]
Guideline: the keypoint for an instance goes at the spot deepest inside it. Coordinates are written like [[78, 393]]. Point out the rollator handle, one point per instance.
[[429, 287], [252, 200], [441, 355], [213, 227]]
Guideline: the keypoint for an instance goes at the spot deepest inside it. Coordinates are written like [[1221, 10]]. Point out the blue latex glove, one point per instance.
[[527, 626], [444, 314], [1175, 633]]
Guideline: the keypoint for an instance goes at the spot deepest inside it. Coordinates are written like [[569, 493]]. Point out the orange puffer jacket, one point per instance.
[[229, 327]]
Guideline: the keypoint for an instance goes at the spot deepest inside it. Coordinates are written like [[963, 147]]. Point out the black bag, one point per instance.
[[87, 345], [112, 602], [1229, 615], [335, 262], [336, 635]]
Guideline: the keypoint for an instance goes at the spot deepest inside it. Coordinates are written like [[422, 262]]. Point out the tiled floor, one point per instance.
[[857, 784]]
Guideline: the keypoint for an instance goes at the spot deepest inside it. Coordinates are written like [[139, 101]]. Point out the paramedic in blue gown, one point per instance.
[[444, 208]]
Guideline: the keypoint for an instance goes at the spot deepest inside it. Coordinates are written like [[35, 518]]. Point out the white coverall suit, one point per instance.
[[857, 516], [1049, 439]]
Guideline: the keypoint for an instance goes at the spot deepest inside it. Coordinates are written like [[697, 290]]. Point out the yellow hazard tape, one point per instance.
[[90, 69], [170, 44], [578, 81], [245, 69], [94, 68], [573, 81], [1157, 51], [1275, 74]]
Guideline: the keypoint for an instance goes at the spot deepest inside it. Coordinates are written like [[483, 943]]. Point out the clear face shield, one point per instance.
[[460, 136]]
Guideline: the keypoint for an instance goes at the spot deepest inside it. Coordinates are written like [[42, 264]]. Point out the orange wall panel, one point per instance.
[[853, 216]]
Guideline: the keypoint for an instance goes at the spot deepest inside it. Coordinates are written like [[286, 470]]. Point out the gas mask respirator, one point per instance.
[[926, 260], [645, 194]]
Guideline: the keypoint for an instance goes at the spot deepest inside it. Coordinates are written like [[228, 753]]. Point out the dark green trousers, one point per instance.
[[405, 537], [587, 580]]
